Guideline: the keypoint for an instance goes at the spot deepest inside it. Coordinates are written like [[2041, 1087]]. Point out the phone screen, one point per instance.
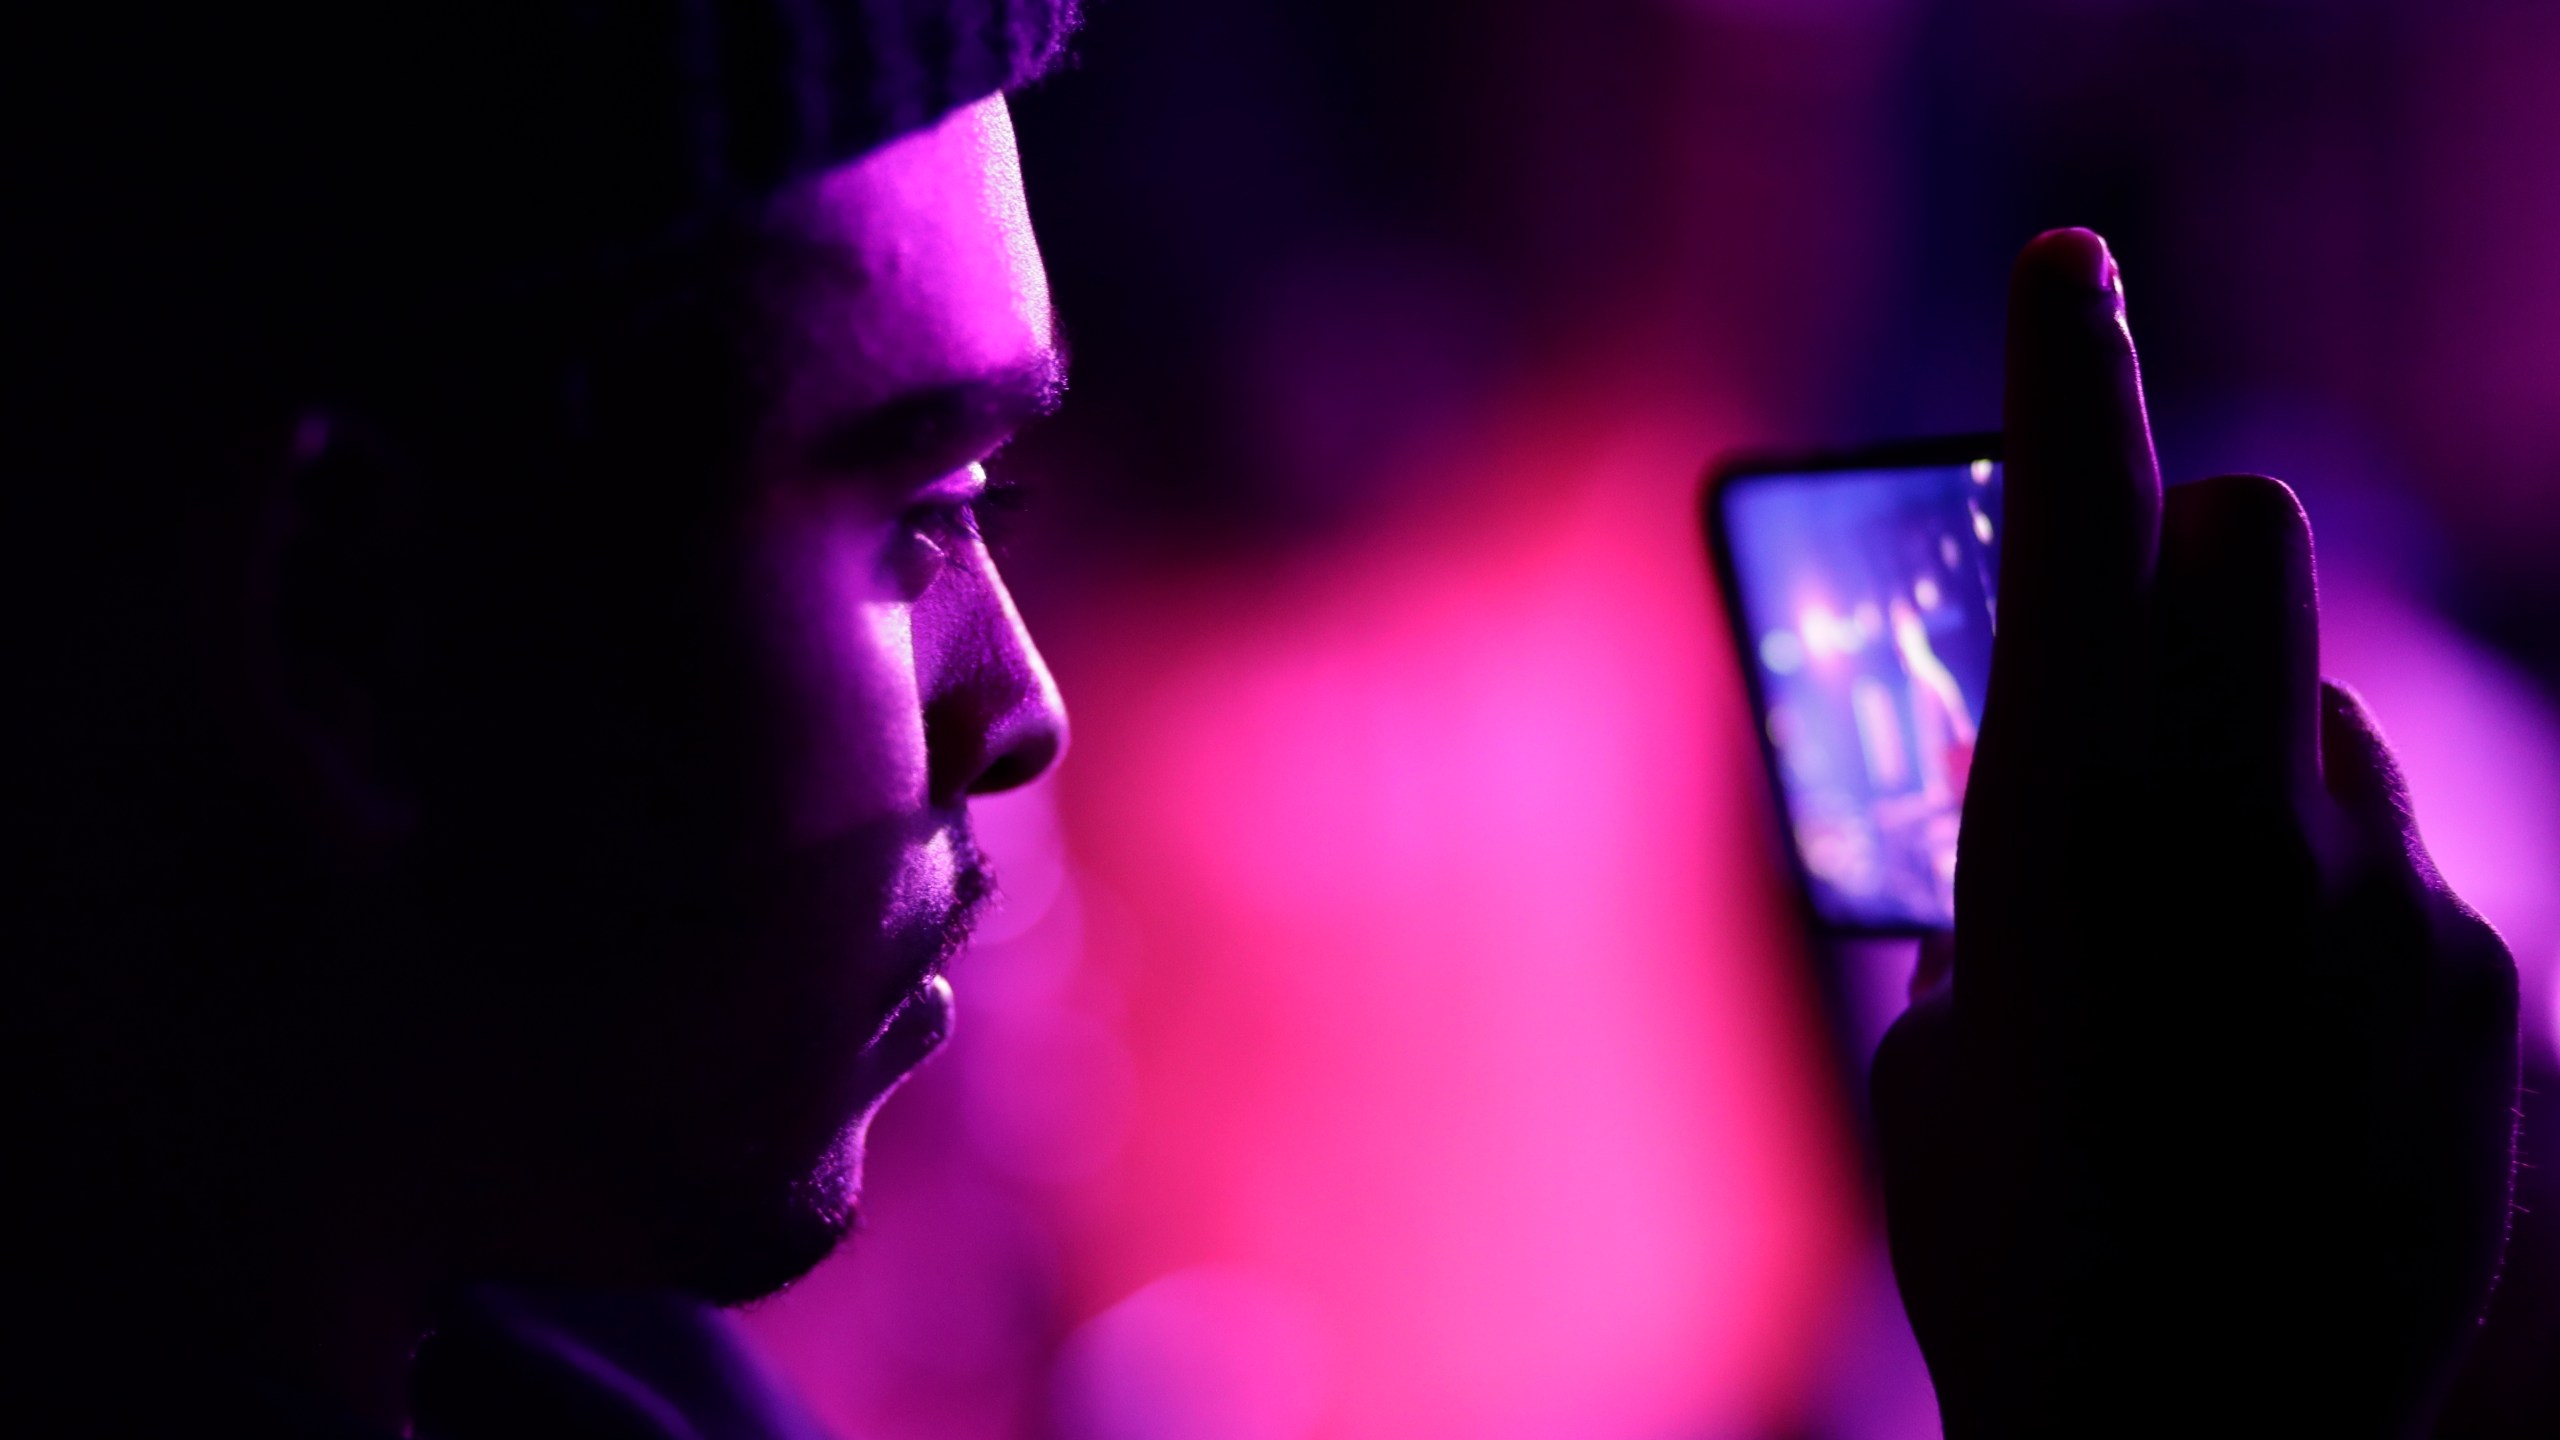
[[1864, 599]]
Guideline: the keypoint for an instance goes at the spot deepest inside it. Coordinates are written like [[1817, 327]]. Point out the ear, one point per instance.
[[338, 627]]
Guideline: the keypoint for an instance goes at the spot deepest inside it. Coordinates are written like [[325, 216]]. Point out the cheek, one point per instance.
[[840, 678]]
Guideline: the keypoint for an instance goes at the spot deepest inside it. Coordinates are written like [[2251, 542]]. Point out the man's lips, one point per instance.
[[913, 1032]]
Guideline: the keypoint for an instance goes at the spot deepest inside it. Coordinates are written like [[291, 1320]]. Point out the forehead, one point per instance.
[[913, 266]]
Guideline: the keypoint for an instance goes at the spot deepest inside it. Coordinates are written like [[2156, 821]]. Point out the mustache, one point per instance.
[[867, 877], [973, 889]]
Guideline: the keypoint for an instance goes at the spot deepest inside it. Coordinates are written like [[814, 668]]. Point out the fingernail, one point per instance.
[[2083, 255], [2102, 265]]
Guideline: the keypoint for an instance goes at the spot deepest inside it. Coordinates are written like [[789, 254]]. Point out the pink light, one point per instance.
[[1459, 996]]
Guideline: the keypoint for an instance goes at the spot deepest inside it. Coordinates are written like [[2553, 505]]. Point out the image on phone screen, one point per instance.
[[1865, 600]]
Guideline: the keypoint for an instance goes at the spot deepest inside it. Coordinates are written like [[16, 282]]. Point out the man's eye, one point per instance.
[[926, 539], [952, 523]]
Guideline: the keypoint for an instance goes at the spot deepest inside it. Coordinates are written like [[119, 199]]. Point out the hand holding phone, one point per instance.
[[2212, 1131]]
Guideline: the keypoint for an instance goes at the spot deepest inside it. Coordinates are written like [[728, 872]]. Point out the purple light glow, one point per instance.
[[2481, 749]]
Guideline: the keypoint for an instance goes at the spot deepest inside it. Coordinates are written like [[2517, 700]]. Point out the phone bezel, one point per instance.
[[1723, 473]]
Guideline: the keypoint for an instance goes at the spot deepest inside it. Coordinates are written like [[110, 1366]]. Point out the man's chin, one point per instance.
[[754, 1247], [769, 1183], [751, 1268]]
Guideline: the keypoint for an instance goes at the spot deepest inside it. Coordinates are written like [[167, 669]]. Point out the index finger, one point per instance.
[[2082, 504], [2082, 512]]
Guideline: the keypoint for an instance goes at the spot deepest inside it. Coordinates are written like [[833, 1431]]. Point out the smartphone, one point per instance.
[[1862, 587]]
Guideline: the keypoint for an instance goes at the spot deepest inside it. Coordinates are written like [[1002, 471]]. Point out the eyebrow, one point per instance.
[[925, 433]]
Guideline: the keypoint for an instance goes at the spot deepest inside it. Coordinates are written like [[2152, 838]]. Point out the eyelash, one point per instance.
[[996, 512], [987, 516], [947, 525]]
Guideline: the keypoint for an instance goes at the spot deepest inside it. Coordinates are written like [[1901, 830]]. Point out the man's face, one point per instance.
[[778, 714]]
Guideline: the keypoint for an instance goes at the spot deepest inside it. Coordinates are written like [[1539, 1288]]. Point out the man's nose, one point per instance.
[[993, 716]]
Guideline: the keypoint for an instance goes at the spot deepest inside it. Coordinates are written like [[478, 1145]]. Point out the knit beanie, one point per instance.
[[312, 157]]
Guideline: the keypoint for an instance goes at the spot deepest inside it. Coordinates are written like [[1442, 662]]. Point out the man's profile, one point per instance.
[[555, 820]]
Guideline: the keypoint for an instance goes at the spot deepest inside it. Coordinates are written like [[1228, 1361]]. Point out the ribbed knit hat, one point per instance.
[[311, 148]]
